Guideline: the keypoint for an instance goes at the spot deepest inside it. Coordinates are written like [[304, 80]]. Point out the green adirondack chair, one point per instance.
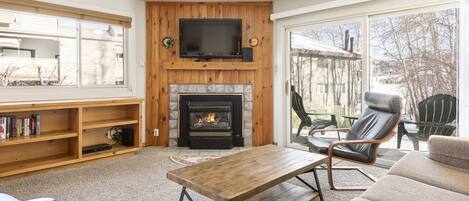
[[305, 117], [436, 117]]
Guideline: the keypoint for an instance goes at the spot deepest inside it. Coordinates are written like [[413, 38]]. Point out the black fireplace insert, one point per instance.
[[210, 121]]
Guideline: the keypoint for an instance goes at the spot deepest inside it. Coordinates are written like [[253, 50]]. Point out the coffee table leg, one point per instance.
[[184, 193], [318, 187]]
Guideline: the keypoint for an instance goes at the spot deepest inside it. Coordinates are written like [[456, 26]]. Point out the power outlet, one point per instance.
[[156, 132]]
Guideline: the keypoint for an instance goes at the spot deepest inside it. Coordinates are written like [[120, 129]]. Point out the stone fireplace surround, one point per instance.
[[175, 90]]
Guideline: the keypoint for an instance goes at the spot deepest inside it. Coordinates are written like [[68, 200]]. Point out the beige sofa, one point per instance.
[[440, 175]]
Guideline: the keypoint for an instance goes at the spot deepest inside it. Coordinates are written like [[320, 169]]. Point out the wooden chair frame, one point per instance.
[[330, 155]]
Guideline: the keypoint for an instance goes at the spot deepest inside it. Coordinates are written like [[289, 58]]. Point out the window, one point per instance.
[[415, 56], [325, 64], [104, 46], [40, 50]]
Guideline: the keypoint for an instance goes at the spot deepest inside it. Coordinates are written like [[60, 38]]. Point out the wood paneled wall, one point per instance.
[[163, 20]]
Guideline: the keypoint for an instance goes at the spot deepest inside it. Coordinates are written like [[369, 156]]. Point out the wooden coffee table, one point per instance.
[[255, 174]]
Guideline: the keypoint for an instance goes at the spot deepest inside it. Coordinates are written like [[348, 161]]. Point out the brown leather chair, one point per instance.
[[375, 126]]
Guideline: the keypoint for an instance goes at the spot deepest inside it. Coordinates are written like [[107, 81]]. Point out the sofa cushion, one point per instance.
[[457, 156], [397, 188], [419, 167]]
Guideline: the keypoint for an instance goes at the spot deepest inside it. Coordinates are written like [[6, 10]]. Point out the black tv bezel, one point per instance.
[[240, 55]]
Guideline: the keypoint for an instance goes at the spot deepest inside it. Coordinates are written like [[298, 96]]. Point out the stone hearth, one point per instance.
[[175, 90]]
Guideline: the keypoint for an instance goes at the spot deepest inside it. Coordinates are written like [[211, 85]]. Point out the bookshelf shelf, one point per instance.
[[35, 164], [108, 123], [46, 136], [116, 150], [65, 128]]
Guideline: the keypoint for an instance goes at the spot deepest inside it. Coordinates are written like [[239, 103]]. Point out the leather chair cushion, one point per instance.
[[383, 102], [321, 145], [372, 125]]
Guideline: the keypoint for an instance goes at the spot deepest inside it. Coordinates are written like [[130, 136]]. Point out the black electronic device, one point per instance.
[[96, 148], [248, 54], [210, 38], [127, 137]]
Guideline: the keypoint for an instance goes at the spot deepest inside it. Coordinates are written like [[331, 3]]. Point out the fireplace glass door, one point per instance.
[[210, 120], [210, 116]]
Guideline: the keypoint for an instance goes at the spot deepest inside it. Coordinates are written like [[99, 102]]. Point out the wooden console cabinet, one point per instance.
[[66, 127]]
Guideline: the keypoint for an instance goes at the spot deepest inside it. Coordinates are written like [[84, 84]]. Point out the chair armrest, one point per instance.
[[424, 123], [407, 121], [315, 113], [452, 151], [350, 117], [331, 146], [328, 130]]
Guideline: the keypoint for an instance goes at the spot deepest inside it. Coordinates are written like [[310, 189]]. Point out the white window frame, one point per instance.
[[361, 10], [50, 93]]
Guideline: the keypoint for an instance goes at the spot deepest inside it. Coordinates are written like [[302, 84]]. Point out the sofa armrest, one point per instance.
[[452, 151]]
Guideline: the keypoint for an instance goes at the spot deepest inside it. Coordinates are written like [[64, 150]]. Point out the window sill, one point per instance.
[[62, 93]]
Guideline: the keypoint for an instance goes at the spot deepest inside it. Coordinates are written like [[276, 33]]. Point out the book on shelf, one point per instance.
[[26, 127], [32, 126], [19, 127], [13, 130], [37, 124], [12, 127], [3, 134], [7, 127]]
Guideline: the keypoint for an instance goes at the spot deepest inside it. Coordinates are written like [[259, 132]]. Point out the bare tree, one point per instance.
[[5, 75], [422, 50]]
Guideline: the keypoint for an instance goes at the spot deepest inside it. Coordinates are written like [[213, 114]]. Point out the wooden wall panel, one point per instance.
[[163, 20]]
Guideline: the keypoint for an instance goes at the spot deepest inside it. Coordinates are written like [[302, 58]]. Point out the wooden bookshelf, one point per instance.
[[46, 136], [108, 123], [66, 127], [116, 150], [35, 164]]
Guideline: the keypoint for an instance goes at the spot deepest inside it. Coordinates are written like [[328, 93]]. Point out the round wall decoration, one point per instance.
[[253, 42], [168, 42]]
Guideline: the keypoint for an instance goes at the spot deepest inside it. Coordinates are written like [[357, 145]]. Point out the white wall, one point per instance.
[[285, 5]]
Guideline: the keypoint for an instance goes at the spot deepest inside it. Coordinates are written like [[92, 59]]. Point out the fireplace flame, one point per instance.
[[210, 117]]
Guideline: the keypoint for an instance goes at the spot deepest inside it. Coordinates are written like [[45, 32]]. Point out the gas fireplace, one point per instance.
[[210, 121]]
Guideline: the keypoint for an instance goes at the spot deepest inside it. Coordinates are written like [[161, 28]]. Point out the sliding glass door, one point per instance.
[[325, 63], [414, 54]]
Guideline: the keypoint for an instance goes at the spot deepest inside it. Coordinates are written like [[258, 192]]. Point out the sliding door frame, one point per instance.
[[362, 21], [363, 11]]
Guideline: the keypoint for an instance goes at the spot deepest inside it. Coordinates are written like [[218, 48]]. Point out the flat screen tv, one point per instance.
[[210, 38]]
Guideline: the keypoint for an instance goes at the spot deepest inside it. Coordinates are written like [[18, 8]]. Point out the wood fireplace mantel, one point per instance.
[[165, 66], [212, 65]]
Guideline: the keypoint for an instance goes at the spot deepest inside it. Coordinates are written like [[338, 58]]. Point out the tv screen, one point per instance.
[[210, 38]]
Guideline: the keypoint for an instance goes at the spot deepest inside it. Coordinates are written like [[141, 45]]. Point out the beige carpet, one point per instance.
[[139, 178]]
